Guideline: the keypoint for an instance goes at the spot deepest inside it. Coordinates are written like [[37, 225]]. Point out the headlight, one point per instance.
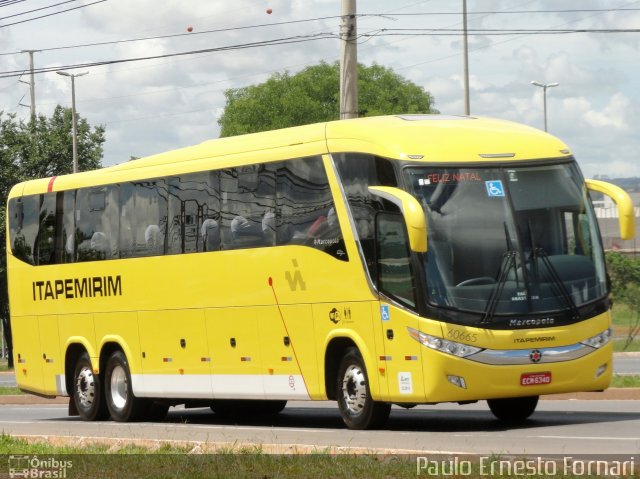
[[443, 345], [598, 340]]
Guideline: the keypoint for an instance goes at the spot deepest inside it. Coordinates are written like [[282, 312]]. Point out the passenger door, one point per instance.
[[402, 358]]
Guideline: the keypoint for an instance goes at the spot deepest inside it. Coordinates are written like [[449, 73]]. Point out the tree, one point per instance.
[[313, 95], [38, 150], [625, 288]]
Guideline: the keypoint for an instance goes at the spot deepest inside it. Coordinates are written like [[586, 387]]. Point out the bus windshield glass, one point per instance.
[[509, 241]]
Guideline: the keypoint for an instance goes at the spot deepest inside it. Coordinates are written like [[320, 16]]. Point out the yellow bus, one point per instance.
[[390, 260]]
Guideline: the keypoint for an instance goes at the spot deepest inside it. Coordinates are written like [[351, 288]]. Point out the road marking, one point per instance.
[[591, 438]]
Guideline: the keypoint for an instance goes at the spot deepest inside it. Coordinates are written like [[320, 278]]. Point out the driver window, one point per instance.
[[394, 266]]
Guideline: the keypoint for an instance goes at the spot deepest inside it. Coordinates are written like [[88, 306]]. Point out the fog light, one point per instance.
[[457, 381], [601, 370]]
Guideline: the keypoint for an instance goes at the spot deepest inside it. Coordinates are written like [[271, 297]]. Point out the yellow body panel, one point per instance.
[[257, 322]]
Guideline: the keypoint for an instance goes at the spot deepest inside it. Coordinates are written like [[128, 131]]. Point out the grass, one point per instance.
[[623, 319], [4, 365], [625, 381], [9, 391], [172, 462], [175, 462]]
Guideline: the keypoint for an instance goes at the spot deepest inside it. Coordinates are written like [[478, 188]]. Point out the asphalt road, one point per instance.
[[557, 427]]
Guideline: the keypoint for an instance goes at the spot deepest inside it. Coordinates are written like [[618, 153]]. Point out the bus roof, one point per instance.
[[428, 138]]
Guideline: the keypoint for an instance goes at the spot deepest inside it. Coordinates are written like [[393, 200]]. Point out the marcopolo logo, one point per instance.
[[40, 468]]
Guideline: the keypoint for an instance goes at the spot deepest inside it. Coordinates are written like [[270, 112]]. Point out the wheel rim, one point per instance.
[[354, 390], [85, 388], [119, 388]]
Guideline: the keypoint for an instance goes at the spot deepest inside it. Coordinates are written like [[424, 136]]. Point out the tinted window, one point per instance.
[[307, 214], [24, 220], [278, 203], [65, 238], [45, 243], [143, 218], [97, 223], [358, 172], [248, 206], [394, 277], [193, 200]]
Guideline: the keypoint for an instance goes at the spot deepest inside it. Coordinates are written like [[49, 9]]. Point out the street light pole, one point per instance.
[[73, 115], [544, 87], [467, 108]]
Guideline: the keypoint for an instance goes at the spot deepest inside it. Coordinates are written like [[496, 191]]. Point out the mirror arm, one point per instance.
[[626, 212]]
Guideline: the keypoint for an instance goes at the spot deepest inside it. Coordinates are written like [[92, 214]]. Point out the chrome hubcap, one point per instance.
[[354, 389], [119, 387], [86, 388]]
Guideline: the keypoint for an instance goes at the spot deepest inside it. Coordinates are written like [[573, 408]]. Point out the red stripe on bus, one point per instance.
[[50, 187]]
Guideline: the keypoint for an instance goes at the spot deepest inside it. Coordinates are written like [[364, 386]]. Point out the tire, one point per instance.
[[513, 410], [357, 407], [247, 407], [87, 391], [121, 403]]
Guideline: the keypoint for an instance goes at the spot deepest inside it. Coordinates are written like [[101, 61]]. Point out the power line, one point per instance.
[[291, 22], [37, 9], [504, 12], [6, 3], [494, 32], [176, 35], [242, 46], [52, 14]]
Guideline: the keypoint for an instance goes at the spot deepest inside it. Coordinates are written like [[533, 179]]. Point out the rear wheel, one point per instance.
[[122, 404], [87, 391], [357, 407], [513, 409]]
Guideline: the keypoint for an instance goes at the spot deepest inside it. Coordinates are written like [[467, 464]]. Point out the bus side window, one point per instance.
[[45, 244], [23, 226], [194, 206], [307, 214], [97, 223], [65, 239], [357, 172], [250, 206]]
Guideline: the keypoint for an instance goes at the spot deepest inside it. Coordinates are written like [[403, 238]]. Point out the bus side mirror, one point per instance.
[[624, 203], [411, 211]]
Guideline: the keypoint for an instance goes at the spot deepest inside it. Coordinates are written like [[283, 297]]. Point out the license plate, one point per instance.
[[535, 379]]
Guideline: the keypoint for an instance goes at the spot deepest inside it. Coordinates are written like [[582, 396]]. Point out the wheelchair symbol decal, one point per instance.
[[494, 188]]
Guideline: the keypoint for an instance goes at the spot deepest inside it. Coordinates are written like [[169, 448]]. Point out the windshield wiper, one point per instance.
[[539, 252], [508, 262]]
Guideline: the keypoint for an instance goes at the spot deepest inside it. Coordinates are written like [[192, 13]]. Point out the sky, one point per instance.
[[155, 105]]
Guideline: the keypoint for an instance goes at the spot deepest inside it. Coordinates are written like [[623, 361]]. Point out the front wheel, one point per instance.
[[122, 404], [87, 391], [513, 410], [357, 407]]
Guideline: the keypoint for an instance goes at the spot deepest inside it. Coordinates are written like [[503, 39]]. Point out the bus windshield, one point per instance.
[[509, 240]]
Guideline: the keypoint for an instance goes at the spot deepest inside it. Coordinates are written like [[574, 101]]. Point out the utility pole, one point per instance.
[[32, 84], [74, 131], [348, 61], [467, 108]]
